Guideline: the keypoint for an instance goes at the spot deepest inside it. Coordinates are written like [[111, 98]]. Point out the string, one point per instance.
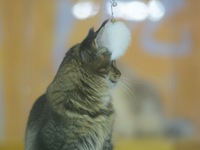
[[113, 4]]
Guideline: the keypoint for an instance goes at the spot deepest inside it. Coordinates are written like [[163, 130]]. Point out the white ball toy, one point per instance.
[[116, 37]]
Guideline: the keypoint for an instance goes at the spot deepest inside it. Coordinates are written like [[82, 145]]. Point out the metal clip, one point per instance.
[[113, 4]]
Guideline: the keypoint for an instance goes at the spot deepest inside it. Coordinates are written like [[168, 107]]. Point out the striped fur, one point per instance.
[[76, 112]]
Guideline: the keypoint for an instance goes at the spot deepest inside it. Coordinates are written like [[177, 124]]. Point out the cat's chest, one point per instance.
[[106, 100], [96, 131], [101, 129]]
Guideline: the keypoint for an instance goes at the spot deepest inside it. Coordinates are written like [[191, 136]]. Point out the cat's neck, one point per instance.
[[79, 92]]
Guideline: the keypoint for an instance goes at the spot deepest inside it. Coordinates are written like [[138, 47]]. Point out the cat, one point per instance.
[[76, 111]]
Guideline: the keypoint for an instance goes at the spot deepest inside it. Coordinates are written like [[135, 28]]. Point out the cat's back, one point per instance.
[[37, 110], [34, 122]]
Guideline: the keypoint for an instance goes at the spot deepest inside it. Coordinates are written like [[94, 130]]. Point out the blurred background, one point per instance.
[[157, 100]]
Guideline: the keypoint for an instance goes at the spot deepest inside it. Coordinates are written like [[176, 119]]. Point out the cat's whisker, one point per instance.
[[128, 83], [127, 90], [127, 79], [132, 97], [127, 93]]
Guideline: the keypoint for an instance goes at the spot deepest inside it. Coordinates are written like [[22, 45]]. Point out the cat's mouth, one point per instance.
[[113, 81]]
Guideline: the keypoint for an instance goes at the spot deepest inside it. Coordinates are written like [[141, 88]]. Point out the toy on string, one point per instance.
[[114, 35], [113, 4]]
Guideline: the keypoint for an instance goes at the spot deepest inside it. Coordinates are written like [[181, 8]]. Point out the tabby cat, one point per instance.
[[76, 112]]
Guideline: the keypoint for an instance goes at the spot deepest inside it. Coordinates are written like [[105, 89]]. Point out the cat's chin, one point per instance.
[[111, 84]]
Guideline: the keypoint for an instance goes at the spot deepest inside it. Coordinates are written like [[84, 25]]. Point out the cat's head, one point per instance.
[[98, 59]]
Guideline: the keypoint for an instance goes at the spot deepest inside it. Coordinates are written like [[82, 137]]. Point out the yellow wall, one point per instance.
[[26, 59]]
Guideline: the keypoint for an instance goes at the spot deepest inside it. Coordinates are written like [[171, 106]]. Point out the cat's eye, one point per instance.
[[102, 70]]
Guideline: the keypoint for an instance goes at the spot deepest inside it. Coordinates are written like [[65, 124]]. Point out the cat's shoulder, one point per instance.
[[38, 108]]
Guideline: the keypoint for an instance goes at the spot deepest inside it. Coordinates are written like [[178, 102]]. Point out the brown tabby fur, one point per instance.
[[76, 112]]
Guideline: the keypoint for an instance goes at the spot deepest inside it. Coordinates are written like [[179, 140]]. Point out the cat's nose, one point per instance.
[[117, 75]]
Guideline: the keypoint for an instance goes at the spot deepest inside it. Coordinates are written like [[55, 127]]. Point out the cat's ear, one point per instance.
[[103, 24], [91, 33], [89, 50], [88, 45], [89, 41]]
